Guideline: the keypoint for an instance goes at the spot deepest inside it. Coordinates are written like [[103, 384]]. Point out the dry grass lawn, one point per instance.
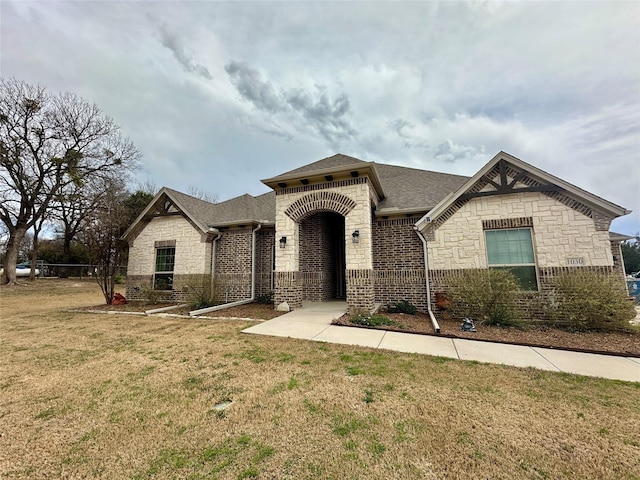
[[120, 396]]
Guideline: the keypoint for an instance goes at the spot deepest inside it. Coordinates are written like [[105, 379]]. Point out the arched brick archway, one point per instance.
[[322, 256], [320, 202]]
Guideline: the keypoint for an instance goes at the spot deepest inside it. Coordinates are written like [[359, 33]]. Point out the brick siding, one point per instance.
[[398, 262]]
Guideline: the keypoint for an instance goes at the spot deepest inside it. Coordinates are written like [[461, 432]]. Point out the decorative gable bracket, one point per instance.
[[504, 179]]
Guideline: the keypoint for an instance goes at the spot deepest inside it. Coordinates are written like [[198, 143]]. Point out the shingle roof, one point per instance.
[[411, 188], [244, 208], [404, 188], [336, 161]]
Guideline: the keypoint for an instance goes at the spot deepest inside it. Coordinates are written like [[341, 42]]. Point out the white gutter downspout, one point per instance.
[[214, 244], [195, 313], [434, 322]]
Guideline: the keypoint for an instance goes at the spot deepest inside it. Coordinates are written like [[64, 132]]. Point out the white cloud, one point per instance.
[[218, 95]]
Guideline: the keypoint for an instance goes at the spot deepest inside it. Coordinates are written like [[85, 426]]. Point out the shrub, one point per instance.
[[590, 301], [151, 295], [489, 296], [202, 292], [402, 307], [265, 298], [118, 279]]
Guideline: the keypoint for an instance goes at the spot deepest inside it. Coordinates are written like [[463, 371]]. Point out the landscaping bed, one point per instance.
[[619, 343]]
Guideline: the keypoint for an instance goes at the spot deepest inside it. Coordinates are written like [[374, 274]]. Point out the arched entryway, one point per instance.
[[322, 256]]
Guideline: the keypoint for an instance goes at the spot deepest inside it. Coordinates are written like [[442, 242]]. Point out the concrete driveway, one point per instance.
[[313, 322]]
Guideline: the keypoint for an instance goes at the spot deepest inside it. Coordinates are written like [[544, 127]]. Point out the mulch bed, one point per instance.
[[618, 343]]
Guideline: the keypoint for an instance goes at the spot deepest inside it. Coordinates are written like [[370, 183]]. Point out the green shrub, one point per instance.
[[488, 296], [372, 320], [265, 298], [590, 301], [118, 279], [402, 307]]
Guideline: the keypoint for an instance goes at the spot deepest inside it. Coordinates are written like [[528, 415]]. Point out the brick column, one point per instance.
[[360, 290], [288, 288]]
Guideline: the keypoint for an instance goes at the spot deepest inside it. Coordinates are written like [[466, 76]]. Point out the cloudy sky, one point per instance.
[[218, 95]]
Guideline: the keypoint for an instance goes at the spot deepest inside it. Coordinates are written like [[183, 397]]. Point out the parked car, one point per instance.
[[24, 269]]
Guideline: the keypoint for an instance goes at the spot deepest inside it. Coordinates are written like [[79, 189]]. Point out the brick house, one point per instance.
[[373, 233]]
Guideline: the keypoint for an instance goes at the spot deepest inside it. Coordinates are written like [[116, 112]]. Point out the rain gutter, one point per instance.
[[434, 322]]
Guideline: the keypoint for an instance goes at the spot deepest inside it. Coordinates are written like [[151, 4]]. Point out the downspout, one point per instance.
[[214, 244], [195, 313], [434, 322]]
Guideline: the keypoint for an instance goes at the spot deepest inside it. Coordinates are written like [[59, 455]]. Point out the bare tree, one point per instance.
[[202, 194], [71, 209], [102, 231], [47, 142]]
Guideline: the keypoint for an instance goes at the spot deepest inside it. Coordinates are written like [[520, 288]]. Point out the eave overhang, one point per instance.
[[158, 203], [243, 223], [551, 183], [325, 175]]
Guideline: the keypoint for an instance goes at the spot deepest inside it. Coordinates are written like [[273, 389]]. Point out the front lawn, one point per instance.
[[121, 396]]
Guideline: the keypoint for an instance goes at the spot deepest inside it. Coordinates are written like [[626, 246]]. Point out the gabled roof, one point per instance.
[[336, 161], [526, 177], [337, 167], [207, 216]]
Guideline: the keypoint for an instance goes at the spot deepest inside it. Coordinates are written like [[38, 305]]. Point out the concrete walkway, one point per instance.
[[313, 322]]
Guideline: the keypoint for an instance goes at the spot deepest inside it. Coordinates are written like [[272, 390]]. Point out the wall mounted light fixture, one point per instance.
[[283, 242], [356, 236]]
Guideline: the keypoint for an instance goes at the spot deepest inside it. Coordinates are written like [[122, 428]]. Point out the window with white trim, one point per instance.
[[512, 249], [165, 261]]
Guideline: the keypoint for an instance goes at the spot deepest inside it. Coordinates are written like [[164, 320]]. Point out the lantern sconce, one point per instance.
[[283, 242], [356, 236]]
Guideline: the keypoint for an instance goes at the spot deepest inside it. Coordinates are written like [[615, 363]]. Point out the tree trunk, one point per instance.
[[34, 257], [11, 257]]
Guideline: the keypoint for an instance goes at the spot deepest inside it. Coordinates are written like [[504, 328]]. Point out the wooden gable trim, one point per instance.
[[508, 178]]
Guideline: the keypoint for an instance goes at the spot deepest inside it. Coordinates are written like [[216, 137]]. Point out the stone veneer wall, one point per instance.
[[564, 239], [193, 257], [532, 304], [561, 234], [398, 263]]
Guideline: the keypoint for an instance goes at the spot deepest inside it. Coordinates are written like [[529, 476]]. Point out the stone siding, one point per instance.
[[192, 260], [532, 304], [560, 234]]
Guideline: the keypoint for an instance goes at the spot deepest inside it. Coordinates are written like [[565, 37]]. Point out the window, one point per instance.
[[512, 249], [165, 260]]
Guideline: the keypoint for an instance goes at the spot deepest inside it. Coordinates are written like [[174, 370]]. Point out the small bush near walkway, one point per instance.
[[590, 301], [488, 296]]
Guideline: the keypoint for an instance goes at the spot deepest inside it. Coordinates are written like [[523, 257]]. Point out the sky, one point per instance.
[[219, 95]]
